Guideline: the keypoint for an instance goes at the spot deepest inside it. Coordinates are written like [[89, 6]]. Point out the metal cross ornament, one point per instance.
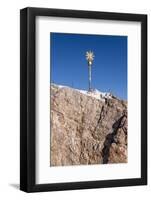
[[90, 58]]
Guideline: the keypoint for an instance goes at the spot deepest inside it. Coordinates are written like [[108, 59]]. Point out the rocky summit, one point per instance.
[[87, 127]]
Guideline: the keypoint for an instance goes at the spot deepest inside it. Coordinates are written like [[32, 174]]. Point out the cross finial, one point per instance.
[[90, 57]]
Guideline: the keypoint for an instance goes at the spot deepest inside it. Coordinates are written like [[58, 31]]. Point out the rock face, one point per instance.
[[86, 130]]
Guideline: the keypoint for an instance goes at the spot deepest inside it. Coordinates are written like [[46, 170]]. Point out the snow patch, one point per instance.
[[94, 93]]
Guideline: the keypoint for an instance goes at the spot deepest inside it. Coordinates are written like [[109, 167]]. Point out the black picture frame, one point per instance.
[[28, 99]]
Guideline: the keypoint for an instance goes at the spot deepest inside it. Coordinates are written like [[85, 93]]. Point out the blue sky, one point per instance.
[[69, 67]]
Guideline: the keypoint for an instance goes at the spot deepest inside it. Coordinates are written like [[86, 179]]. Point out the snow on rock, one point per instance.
[[94, 93], [97, 94]]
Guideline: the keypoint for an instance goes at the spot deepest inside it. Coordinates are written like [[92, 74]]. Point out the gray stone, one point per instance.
[[86, 130]]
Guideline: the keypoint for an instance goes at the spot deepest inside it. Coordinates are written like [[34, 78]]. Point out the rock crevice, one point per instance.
[[115, 144]]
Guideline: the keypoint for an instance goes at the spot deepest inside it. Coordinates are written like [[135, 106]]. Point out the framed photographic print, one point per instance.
[[83, 99]]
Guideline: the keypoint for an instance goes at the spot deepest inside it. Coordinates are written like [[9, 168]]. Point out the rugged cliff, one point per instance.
[[87, 128]]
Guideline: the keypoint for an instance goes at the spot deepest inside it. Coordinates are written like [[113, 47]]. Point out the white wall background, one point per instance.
[[9, 98]]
